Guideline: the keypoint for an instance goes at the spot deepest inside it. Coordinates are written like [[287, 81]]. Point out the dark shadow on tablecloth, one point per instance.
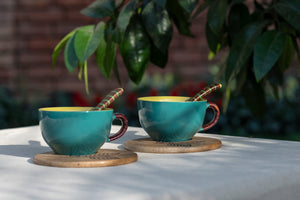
[[27, 151]]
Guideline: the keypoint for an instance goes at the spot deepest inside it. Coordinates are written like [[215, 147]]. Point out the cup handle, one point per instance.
[[215, 119], [123, 129]]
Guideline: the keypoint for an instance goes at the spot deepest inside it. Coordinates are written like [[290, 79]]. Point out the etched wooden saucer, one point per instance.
[[196, 144], [103, 158]]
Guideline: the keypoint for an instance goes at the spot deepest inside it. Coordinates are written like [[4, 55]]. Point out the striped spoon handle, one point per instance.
[[205, 92], [109, 99]]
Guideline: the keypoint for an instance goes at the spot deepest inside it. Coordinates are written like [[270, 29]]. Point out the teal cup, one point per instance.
[[172, 118], [78, 131]]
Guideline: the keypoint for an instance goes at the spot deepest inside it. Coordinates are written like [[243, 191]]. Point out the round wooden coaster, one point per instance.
[[197, 144], [103, 158]]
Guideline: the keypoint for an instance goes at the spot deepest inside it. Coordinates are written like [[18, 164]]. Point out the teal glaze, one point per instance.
[[75, 132], [171, 121]]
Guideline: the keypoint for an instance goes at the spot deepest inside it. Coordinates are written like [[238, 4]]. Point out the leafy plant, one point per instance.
[[261, 37], [262, 45]]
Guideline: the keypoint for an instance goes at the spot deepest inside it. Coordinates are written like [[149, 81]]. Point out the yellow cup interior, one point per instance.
[[67, 109], [164, 98]]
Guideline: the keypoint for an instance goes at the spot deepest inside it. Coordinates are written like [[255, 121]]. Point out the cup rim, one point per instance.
[[71, 109], [168, 99]]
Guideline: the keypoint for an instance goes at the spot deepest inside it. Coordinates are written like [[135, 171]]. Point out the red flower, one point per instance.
[[202, 85], [153, 92], [219, 102], [97, 99], [79, 100], [131, 100], [174, 92]]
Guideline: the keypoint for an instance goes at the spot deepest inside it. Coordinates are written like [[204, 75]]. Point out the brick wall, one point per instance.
[[31, 29], [7, 42]]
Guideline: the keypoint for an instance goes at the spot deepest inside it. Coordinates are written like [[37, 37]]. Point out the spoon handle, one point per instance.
[[205, 92], [109, 99]]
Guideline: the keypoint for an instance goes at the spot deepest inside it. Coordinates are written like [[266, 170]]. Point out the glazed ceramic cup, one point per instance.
[[76, 130], [171, 119]]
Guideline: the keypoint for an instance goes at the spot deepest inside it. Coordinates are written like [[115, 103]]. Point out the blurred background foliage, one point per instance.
[[281, 121]]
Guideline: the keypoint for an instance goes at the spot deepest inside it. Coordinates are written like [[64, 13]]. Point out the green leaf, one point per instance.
[[180, 17], [157, 57], [290, 11], [106, 53], [211, 55], [267, 51], [158, 25], [110, 55], [188, 5], [200, 9], [275, 91], [237, 19], [71, 60], [241, 77], [161, 4], [124, 18], [100, 55], [60, 45], [253, 93], [86, 82], [135, 50], [112, 30], [81, 41], [99, 9], [226, 98], [116, 72], [242, 47], [80, 68], [212, 39], [275, 76], [87, 40], [288, 54], [295, 44], [216, 15], [95, 39]]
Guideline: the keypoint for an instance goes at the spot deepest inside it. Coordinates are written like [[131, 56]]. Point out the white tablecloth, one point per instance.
[[243, 168]]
